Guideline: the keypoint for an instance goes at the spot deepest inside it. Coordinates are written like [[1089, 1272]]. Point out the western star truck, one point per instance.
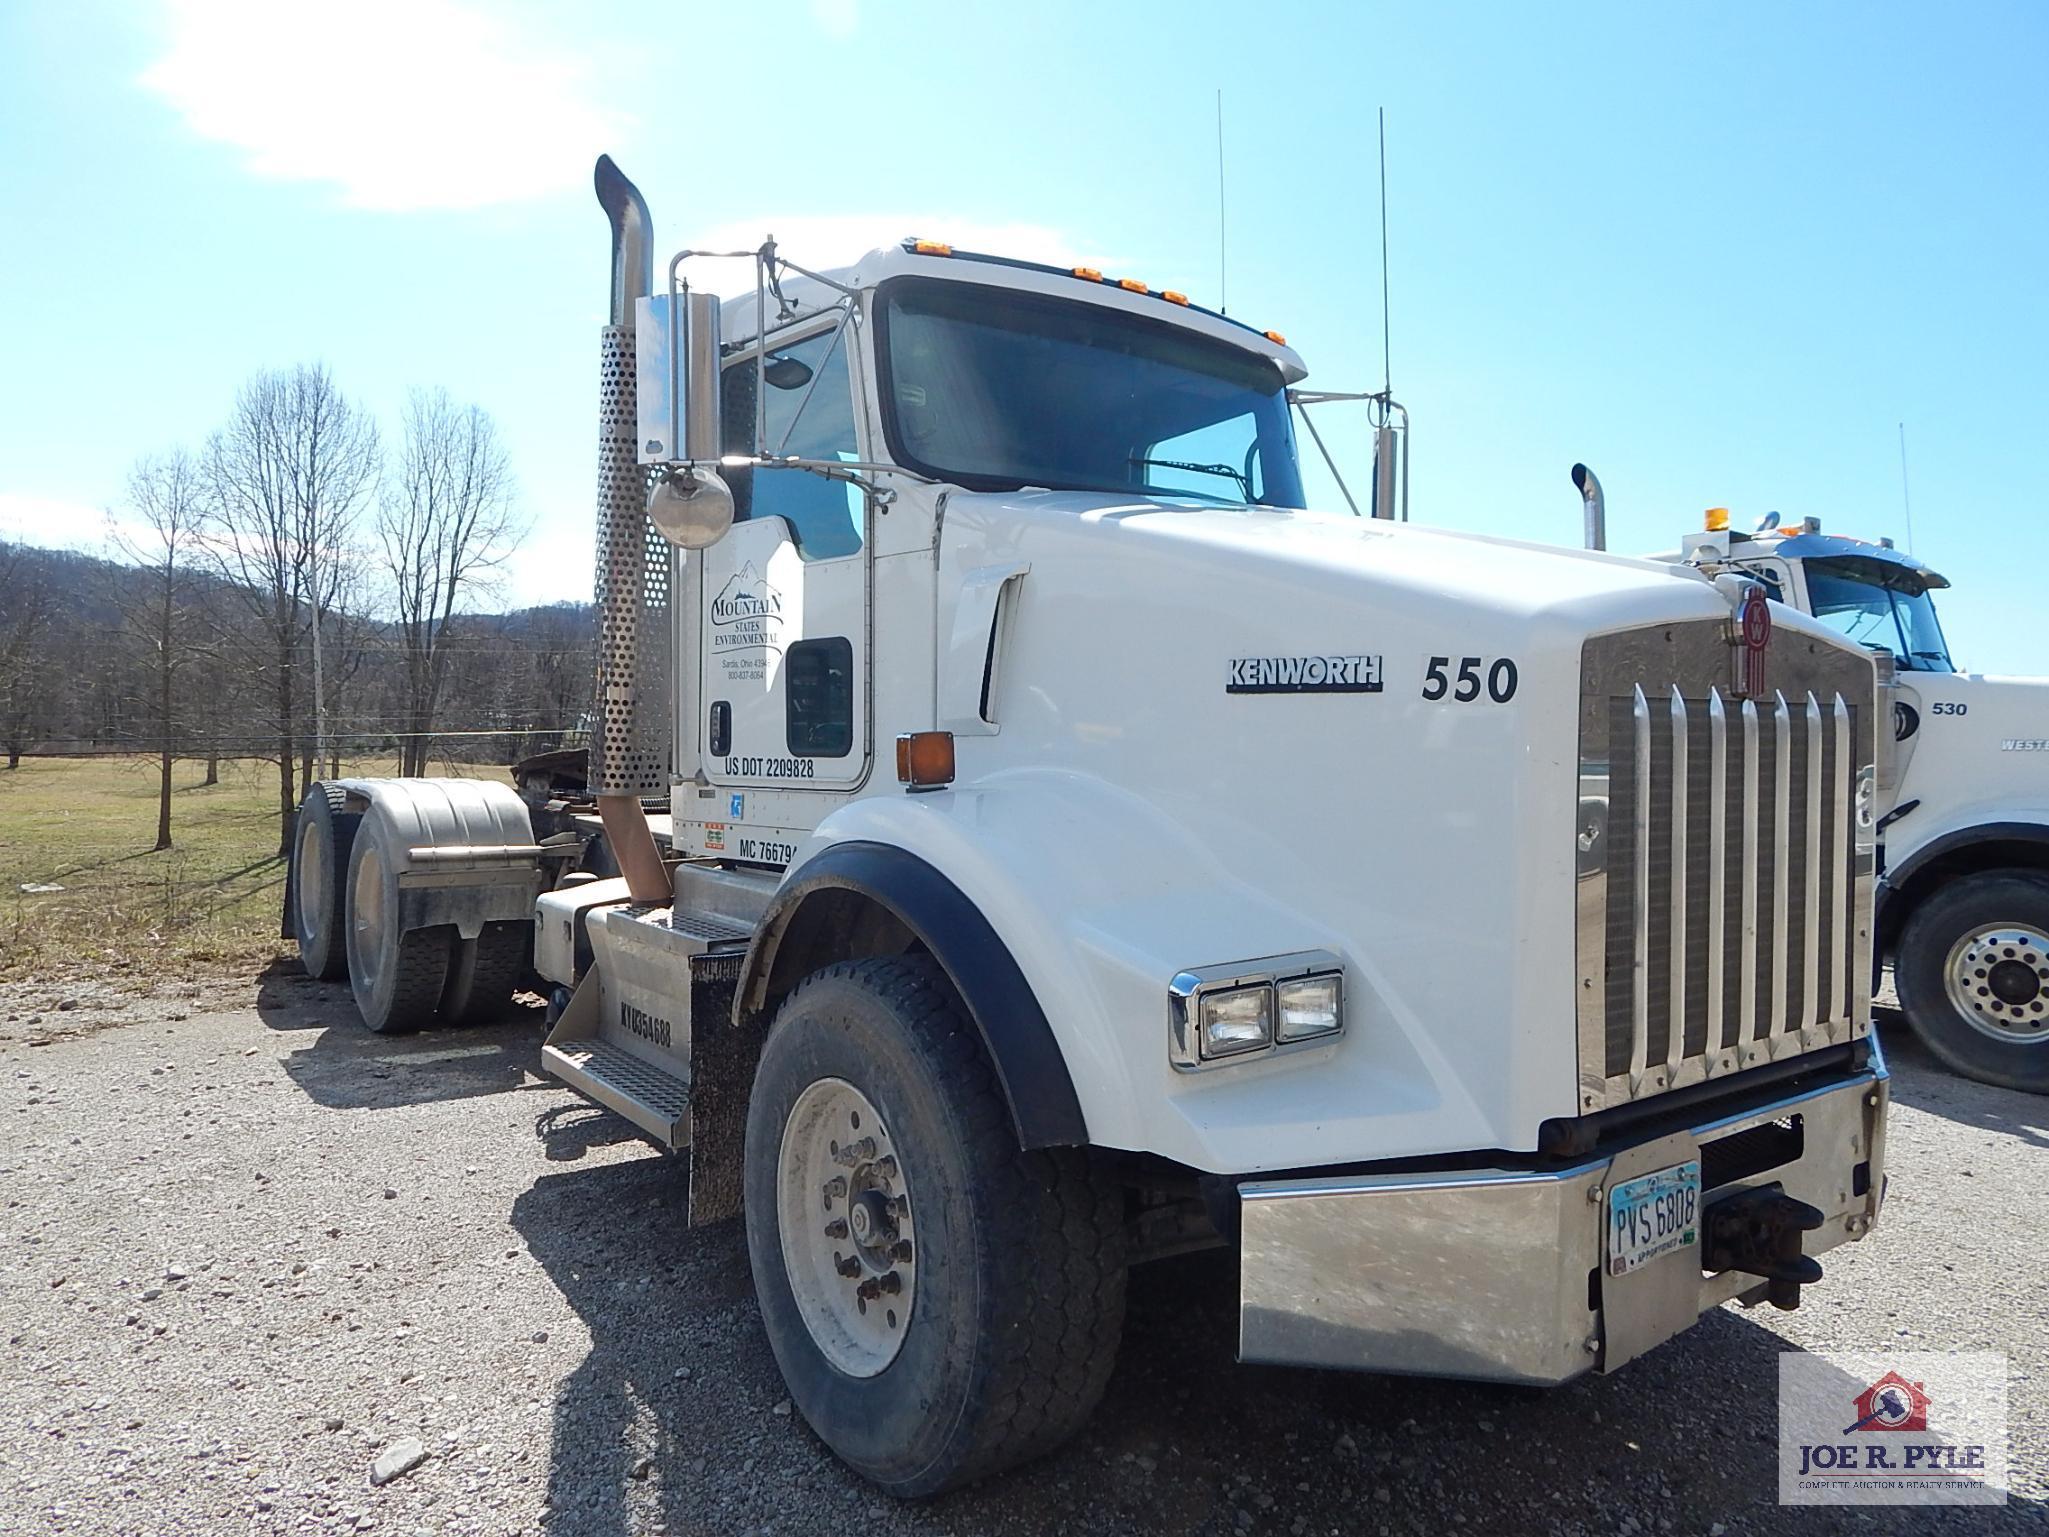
[[1962, 902], [1024, 842]]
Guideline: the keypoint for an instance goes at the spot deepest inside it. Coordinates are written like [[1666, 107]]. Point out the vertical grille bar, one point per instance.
[[1810, 930], [1747, 987], [1675, 1029], [1839, 875], [1640, 990], [1716, 1039], [1782, 814]]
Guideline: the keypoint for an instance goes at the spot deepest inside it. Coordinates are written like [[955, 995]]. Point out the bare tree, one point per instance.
[[287, 475], [167, 496], [444, 526], [24, 616]]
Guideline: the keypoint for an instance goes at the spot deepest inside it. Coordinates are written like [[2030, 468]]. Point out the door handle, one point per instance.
[[721, 732]]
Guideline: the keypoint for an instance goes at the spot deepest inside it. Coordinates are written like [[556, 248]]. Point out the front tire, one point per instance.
[[1000, 1328], [1973, 973]]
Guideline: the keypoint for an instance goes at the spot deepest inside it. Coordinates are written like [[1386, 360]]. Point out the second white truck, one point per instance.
[[1962, 904]]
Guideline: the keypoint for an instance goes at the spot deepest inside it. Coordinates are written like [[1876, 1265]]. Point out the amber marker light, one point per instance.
[[924, 759]]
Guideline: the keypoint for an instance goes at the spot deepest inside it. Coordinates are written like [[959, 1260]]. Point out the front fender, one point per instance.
[[1100, 898]]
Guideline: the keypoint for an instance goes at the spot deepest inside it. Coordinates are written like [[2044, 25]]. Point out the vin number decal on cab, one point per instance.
[[771, 768], [1496, 678]]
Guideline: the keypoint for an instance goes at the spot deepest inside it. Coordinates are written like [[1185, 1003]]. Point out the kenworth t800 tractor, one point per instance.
[[1024, 841]]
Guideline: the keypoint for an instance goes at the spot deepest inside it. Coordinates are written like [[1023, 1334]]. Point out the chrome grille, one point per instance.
[[1726, 858]]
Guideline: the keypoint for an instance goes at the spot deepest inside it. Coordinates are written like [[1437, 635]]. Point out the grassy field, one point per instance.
[[210, 901]]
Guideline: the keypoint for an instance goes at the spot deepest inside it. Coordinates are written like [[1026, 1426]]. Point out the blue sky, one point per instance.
[[1719, 254]]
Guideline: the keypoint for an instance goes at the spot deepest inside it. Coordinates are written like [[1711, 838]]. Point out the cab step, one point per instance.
[[651, 1097], [624, 1040]]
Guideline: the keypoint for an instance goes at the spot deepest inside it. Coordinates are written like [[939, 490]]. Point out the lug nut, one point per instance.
[[836, 1229], [885, 1170], [900, 1252], [835, 1189], [846, 1265], [853, 1152]]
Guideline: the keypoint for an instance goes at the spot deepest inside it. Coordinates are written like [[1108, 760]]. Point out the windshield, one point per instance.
[[1876, 604], [996, 389]]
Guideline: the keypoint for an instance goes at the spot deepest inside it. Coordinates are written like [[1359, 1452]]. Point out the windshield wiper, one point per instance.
[[1224, 470]]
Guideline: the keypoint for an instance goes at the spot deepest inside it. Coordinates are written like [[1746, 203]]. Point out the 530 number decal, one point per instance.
[[1949, 707], [1499, 679]]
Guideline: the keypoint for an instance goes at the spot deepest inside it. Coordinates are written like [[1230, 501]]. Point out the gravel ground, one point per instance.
[[249, 1250]]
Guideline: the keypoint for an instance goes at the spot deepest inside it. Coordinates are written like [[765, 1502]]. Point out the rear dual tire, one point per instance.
[[322, 844]]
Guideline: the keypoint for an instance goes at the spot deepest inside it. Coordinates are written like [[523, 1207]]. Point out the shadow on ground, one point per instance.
[[679, 1372], [347, 1067], [1924, 1083]]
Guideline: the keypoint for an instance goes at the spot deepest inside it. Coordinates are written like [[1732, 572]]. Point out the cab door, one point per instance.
[[783, 646]]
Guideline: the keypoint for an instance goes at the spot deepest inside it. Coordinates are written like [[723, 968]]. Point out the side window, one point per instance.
[[818, 687], [809, 415]]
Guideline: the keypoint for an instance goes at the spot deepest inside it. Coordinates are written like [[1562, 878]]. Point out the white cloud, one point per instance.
[[50, 521], [837, 18], [824, 241], [402, 104]]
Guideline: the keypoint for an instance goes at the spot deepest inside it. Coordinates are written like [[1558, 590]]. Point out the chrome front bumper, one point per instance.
[[1499, 1274]]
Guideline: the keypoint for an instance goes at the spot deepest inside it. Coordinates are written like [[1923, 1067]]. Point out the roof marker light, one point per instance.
[[931, 248], [1717, 520], [1133, 285], [1092, 274], [1275, 337], [1172, 297]]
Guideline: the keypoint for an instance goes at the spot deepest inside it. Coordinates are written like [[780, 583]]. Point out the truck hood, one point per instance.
[[1312, 550]]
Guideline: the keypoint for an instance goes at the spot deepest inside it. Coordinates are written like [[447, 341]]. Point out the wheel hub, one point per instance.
[[1998, 981], [844, 1210]]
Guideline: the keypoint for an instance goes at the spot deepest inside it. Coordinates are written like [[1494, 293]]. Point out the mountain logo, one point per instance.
[[747, 596]]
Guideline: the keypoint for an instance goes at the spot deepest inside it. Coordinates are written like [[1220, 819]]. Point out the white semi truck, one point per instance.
[[1962, 904], [1026, 842]]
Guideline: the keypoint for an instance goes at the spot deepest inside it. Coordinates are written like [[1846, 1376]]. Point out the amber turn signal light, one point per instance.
[[924, 759]]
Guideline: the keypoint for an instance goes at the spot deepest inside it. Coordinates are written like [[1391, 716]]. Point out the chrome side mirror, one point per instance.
[[692, 506]]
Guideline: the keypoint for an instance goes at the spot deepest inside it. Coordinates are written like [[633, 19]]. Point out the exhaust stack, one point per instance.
[[630, 743], [1597, 506]]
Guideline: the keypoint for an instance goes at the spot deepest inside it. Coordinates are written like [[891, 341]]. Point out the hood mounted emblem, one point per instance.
[[1754, 639]]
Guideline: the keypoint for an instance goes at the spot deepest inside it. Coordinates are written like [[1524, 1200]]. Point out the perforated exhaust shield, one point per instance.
[[630, 742]]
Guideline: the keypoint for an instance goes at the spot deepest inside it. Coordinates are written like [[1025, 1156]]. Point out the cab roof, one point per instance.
[[923, 258], [1802, 545]]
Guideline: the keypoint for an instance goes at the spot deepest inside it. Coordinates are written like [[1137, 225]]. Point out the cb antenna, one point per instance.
[[1386, 358], [1223, 288], [1906, 502]]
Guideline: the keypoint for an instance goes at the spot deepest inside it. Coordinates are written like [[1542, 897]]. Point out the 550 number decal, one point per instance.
[[1498, 679]]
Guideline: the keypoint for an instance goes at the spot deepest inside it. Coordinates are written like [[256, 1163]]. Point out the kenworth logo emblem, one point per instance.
[[1303, 675]]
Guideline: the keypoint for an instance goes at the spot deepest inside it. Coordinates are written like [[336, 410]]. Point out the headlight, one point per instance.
[[1241, 1019], [1253, 1008], [1308, 1006]]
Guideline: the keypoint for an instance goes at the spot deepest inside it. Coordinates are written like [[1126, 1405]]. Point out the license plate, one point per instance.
[[1652, 1215]]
